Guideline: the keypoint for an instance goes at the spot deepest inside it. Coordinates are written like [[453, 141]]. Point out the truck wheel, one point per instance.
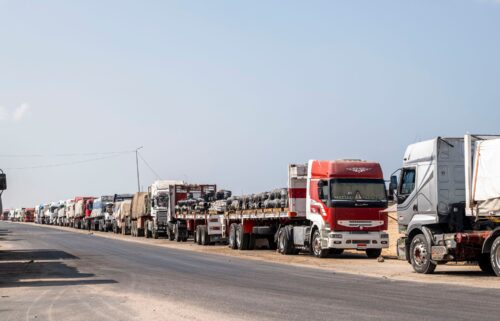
[[495, 256], [198, 234], [420, 255], [317, 250], [373, 253], [205, 240], [285, 240], [336, 251], [241, 238], [484, 263], [232, 237], [177, 236]]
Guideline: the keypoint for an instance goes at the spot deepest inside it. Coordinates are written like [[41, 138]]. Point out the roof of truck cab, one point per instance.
[[164, 184], [425, 150], [346, 169]]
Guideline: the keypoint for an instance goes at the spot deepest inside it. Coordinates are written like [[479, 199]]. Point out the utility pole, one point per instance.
[[137, 166], [3, 186]]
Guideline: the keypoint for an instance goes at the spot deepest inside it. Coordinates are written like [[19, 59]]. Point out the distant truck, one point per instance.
[[328, 207], [121, 210], [109, 221], [448, 196], [50, 214], [29, 215], [159, 197], [83, 209], [102, 211], [39, 210], [5, 215], [69, 207], [188, 214], [61, 213]]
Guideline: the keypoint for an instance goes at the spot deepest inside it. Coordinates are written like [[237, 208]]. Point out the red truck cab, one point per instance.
[[345, 200]]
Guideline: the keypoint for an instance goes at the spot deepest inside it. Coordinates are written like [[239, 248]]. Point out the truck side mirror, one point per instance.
[[393, 187], [3, 182]]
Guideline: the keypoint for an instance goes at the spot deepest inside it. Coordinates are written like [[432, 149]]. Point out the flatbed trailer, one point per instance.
[[331, 206]]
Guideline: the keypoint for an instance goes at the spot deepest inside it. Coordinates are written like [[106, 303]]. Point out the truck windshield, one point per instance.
[[358, 190], [162, 201]]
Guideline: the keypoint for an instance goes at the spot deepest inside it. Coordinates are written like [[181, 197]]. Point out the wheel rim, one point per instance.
[[420, 254], [316, 244], [497, 256], [238, 234]]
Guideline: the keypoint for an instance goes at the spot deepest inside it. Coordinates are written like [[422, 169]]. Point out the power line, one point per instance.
[[64, 155], [149, 166], [64, 164]]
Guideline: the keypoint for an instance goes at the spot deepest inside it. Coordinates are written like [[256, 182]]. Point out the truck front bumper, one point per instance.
[[358, 241]]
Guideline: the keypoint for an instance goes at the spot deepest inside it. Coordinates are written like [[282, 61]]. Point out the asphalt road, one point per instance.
[[59, 275]]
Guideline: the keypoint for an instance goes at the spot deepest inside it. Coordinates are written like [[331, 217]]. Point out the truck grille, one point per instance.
[[360, 242], [161, 216]]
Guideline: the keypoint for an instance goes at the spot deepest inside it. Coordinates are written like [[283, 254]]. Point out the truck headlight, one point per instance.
[[384, 236]]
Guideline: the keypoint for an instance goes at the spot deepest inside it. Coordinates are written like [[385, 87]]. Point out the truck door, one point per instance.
[[407, 200]]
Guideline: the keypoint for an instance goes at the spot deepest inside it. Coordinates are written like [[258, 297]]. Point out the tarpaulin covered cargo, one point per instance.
[[486, 180], [122, 210], [139, 205]]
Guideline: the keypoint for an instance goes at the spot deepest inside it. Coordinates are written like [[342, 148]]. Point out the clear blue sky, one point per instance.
[[230, 92]]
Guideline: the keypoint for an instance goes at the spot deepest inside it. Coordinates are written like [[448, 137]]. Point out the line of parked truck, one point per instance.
[[447, 195]]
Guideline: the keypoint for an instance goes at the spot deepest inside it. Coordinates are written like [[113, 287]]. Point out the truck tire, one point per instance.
[[285, 240], [205, 239], [198, 234], [373, 253], [170, 233], [336, 251], [420, 255], [495, 256], [232, 236], [484, 263], [241, 238], [177, 236], [317, 250]]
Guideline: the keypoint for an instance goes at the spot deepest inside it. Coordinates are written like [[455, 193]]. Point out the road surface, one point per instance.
[[49, 274]]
